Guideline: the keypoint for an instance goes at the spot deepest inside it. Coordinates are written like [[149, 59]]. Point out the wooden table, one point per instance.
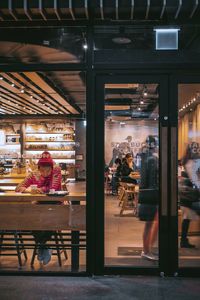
[[21, 211], [10, 182], [13, 176]]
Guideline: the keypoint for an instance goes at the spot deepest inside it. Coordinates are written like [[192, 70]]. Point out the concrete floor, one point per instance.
[[111, 288]]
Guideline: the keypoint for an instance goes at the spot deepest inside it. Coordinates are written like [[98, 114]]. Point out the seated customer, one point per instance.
[[116, 176], [48, 176], [128, 167]]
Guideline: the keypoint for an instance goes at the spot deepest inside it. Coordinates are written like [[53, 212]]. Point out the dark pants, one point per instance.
[[128, 180], [41, 237], [185, 227]]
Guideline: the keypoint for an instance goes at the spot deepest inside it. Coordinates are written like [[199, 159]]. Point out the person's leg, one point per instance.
[[41, 237], [146, 236], [149, 237], [154, 231], [184, 240]]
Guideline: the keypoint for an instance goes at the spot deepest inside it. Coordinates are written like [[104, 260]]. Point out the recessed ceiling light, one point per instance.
[[121, 40]]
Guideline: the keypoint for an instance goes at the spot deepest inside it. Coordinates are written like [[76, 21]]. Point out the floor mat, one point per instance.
[[134, 251]]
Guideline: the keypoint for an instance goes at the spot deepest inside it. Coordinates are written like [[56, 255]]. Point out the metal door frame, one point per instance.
[[164, 263]]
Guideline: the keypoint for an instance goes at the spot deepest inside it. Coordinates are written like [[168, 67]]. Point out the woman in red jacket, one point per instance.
[[47, 177]]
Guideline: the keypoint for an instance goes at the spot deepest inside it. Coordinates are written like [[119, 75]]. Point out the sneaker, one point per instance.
[[185, 244], [40, 255], [149, 256], [46, 256]]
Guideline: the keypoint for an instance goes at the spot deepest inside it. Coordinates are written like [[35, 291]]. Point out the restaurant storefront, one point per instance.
[[89, 90]]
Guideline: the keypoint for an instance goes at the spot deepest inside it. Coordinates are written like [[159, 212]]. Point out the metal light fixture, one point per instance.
[[166, 38]]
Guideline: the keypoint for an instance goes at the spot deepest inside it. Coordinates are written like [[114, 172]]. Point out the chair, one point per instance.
[[128, 197], [107, 183], [12, 243]]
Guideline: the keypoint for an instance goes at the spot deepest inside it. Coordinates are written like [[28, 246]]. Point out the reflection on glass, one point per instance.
[[43, 45], [131, 174], [189, 175]]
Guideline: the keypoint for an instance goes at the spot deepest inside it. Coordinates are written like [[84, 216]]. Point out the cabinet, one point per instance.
[[56, 138]]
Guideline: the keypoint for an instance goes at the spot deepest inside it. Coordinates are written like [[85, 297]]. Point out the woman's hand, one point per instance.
[[36, 191]]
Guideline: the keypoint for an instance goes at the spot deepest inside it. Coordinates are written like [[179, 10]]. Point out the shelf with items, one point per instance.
[[12, 139], [58, 139], [51, 141]]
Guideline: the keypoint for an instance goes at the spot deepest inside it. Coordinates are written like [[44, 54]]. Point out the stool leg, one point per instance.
[[34, 254], [18, 249], [1, 242], [23, 248], [62, 241], [58, 250]]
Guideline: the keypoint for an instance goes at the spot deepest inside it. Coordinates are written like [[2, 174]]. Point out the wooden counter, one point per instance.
[[10, 182], [26, 197], [13, 176], [22, 212]]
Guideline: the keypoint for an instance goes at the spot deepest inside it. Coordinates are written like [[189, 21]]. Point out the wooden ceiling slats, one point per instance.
[[37, 79], [13, 93], [38, 94]]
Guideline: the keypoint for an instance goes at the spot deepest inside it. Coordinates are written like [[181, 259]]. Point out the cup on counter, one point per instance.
[[52, 191], [33, 188]]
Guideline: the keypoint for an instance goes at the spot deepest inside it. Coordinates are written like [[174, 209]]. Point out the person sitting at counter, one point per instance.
[[127, 169], [47, 177]]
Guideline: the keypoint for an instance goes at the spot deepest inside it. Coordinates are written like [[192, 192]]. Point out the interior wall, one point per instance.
[[121, 139]]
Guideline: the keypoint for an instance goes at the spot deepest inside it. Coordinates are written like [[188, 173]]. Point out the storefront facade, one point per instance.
[[102, 59]]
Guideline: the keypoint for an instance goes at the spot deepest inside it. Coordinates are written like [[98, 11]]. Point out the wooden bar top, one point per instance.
[[13, 176], [25, 197], [10, 182]]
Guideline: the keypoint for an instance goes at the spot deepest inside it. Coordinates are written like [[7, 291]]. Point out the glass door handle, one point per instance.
[[164, 171], [173, 177]]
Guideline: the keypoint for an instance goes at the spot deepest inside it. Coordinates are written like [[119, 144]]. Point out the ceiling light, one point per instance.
[[141, 102], [85, 46], [1, 78], [13, 84], [166, 38], [139, 108], [121, 40], [22, 91]]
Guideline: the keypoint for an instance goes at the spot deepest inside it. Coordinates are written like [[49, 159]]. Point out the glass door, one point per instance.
[[132, 173], [188, 171]]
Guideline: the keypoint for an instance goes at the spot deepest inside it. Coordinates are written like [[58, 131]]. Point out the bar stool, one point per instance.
[[12, 241], [58, 245], [127, 197]]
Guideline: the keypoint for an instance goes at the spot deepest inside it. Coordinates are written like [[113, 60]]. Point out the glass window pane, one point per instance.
[[131, 174], [189, 174], [43, 171]]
